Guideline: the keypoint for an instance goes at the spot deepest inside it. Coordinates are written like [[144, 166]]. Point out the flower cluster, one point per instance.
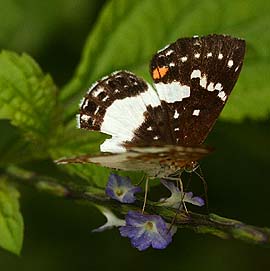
[[144, 230]]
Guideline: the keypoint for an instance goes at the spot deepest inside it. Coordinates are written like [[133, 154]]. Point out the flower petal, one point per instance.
[[112, 220], [193, 200], [177, 196]]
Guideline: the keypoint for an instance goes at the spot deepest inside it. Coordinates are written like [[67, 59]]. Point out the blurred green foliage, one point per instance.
[[37, 124], [11, 221]]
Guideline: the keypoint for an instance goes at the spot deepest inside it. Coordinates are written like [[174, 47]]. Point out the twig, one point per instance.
[[213, 224]]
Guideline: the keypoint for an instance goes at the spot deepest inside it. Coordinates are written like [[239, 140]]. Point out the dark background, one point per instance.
[[58, 232]]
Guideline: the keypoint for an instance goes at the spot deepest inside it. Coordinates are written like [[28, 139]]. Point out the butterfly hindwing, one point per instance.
[[116, 106], [154, 160]]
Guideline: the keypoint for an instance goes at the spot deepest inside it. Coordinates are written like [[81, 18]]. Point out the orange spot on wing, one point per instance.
[[159, 72]]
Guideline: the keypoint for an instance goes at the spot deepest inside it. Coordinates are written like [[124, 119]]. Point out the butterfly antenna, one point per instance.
[[145, 194], [200, 175]]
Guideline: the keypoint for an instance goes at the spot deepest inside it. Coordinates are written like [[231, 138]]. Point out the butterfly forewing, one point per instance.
[[194, 77]]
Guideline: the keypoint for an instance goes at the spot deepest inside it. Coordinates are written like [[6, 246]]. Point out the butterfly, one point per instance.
[[160, 128]]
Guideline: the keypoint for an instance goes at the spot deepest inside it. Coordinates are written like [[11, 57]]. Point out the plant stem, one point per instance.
[[213, 224]]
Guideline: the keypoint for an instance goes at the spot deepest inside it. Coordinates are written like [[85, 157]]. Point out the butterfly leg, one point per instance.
[[145, 194], [182, 203], [200, 175], [179, 181], [181, 187]]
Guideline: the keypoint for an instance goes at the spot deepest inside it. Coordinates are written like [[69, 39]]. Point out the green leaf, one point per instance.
[[26, 27], [27, 97], [128, 33], [11, 221]]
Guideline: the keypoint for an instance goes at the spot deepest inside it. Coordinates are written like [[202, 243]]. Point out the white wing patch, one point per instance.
[[173, 92], [123, 117]]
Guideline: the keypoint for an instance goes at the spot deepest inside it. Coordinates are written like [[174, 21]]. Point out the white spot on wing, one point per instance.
[[196, 112], [155, 137], [123, 117], [176, 129], [169, 52], [222, 95], [96, 110], [176, 114], [149, 128], [195, 74], [209, 54], [172, 92], [197, 55], [203, 81], [220, 56], [172, 64], [218, 87], [230, 63], [105, 98], [211, 87], [183, 59], [85, 117], [97, 91]]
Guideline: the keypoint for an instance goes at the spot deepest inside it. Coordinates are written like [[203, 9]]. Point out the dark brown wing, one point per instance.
[[193, 77]]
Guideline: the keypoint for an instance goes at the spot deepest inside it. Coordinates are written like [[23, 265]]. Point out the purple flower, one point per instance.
[[146, 230], [177, 196], [121, 189]]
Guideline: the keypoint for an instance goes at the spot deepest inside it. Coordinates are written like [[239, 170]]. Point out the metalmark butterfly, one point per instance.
[[160, 128]]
